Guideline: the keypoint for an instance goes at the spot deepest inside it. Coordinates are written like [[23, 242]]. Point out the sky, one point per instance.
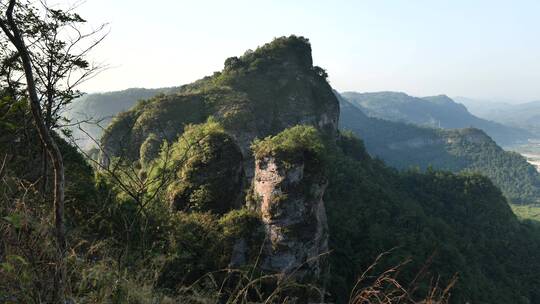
[[474, 48]]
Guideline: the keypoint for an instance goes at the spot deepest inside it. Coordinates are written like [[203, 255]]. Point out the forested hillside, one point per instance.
[[239, 96], [462, 220], [406, 146], [434, 111], [401, 145], [423, 146], [240, 188], [259, 183]]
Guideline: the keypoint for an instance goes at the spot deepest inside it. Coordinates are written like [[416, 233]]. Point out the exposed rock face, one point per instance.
[[256, 95], [293, 212]]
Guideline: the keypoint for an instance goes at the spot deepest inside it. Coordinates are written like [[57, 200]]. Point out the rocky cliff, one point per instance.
[[289, 188], [257, 95], [370, 207]]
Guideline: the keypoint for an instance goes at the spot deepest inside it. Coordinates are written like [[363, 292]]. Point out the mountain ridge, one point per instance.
[[406, 145], [523, 115], [435, 111]]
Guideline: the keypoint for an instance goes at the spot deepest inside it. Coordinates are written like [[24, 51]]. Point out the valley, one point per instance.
[[531, 151]]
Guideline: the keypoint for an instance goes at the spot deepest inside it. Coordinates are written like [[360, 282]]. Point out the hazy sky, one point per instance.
[[474, 48]]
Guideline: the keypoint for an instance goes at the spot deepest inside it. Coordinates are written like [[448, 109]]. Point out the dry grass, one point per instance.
[[246, 286], [385, 288]]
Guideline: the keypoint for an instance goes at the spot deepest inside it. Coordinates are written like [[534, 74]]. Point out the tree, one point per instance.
[[43, 60]]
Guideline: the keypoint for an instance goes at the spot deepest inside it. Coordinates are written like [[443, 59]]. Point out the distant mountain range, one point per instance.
[[406, 145], [524, 115], [95, 111], [434, 111], [480, 107]]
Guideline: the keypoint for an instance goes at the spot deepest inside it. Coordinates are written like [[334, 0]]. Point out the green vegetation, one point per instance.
[[467, 150], [239, 97], [200, 243], [434, 111], [126, 245], [290, 145], [519, 180], [95, 111], [207, 168], [393, 142], [452, 224], [457, 224]]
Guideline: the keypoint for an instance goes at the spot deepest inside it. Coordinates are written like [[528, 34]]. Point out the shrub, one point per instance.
[[291, 145], [207, 166]]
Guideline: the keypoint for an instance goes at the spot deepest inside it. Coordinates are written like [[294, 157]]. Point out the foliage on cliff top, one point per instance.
[[292, 50], [291, 145]]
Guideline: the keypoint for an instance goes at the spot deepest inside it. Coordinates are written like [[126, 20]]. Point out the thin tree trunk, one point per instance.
[[44, 171], [12, 32]]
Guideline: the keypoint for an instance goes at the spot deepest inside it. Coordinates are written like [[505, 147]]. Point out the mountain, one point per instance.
[[95, 111], [481, 107], [393, 142], [523, 115], [399, 144], [405, 145], [270, 118], [239, 97], [435, 111]]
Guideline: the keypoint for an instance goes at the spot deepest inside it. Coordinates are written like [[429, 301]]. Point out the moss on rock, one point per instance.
[[291, 146], [207, 167], [256, 95]]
